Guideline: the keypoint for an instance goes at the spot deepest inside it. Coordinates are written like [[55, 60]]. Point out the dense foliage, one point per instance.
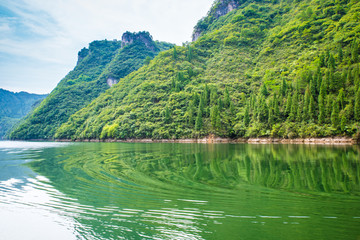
[[270, 68], [103, 60], [14, 106]]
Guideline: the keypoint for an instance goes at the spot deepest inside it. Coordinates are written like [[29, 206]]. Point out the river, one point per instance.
[[178, 191]]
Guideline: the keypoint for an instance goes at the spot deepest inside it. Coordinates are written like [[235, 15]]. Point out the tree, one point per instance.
[[263, 90], [306, 116], [206, 95], [356, 76], [288, 104], [357, 106], [311, 109], [313, 88], [232, 109], [220, 104], [263, 110], [147, 60], [191, 111], [175, 55], [283, 87], [349, 79], [173, 84], [335, 120], [341, 98], [202, 104], [195, 99], [321, 117], [199, 120], [276, 107], [332, 82], [271, 115], [246, 116], [328, 108], [189, 53], [343, 121], [340, 54], [214, 117], [213, 97], [319, 79], [294, 106], [226, 98], [167, 116], [355, 51], [331, 62]]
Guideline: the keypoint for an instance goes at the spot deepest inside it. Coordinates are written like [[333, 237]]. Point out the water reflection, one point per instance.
[[162, 166], [193, 191]]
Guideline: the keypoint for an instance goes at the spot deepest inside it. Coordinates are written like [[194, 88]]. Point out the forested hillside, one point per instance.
[[14, 106], [99, 67], [268, 68]]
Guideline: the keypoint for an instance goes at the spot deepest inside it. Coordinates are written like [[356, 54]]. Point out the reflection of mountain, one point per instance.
[[203, 191], [291, 167]]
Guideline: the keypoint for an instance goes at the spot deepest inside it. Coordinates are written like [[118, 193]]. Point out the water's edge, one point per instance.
[[212, 139]]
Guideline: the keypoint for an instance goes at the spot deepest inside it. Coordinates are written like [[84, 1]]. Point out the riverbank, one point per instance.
[[212, 139]]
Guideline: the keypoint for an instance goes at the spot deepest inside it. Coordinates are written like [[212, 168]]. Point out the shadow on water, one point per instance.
[[196, 191]]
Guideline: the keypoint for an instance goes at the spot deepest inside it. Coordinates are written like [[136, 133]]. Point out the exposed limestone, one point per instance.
[[111, 81], [144, 37]]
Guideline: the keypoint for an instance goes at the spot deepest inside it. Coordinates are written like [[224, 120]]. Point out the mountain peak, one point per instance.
[[142, 37]]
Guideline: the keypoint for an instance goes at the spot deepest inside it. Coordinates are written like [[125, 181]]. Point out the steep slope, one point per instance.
[[14, 106], [98, 68], [267, 68]]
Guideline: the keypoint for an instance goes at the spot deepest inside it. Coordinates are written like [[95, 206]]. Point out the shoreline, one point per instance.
[[212, 139]]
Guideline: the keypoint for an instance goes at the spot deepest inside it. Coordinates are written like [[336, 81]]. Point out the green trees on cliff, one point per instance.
[[269, 68]]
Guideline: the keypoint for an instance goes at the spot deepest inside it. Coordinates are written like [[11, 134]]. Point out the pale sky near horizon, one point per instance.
[[40, 39]]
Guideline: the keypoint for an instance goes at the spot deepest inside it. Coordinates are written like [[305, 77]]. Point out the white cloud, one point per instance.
[[51, 32]]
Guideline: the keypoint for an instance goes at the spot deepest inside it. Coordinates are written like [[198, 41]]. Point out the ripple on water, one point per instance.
[[106, 191]]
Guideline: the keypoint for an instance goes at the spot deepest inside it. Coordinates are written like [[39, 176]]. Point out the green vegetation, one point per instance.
[[268, 69], [14, 106], [103, 61]]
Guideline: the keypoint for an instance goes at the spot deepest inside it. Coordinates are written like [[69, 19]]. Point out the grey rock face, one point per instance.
[[144, 37]]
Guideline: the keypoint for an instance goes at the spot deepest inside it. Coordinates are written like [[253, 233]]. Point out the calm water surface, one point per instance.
[[178, 191]]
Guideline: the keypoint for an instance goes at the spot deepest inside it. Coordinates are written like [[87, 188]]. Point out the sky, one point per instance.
[[40, 39]]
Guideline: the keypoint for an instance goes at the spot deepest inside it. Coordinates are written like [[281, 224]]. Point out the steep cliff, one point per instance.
[[99, 67]]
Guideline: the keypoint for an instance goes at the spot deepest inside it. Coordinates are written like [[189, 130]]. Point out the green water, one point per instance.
[[178, 191]]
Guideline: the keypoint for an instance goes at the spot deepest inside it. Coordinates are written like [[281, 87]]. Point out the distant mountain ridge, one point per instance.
[[14, 106]]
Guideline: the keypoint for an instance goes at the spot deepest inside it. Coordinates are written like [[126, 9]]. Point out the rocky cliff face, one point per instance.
[[220, 8], [82, 54], [224, 7], [143, 37]]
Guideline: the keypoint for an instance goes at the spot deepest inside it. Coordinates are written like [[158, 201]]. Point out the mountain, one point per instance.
[[99, 67], [14, 106], [256, 68], [277, 68]]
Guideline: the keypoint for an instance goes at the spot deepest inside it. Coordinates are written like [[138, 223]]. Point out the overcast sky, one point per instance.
[[39, 39]]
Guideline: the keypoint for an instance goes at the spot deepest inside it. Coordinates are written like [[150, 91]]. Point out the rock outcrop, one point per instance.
[[220, 8], [143, 37], [111, 81]]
